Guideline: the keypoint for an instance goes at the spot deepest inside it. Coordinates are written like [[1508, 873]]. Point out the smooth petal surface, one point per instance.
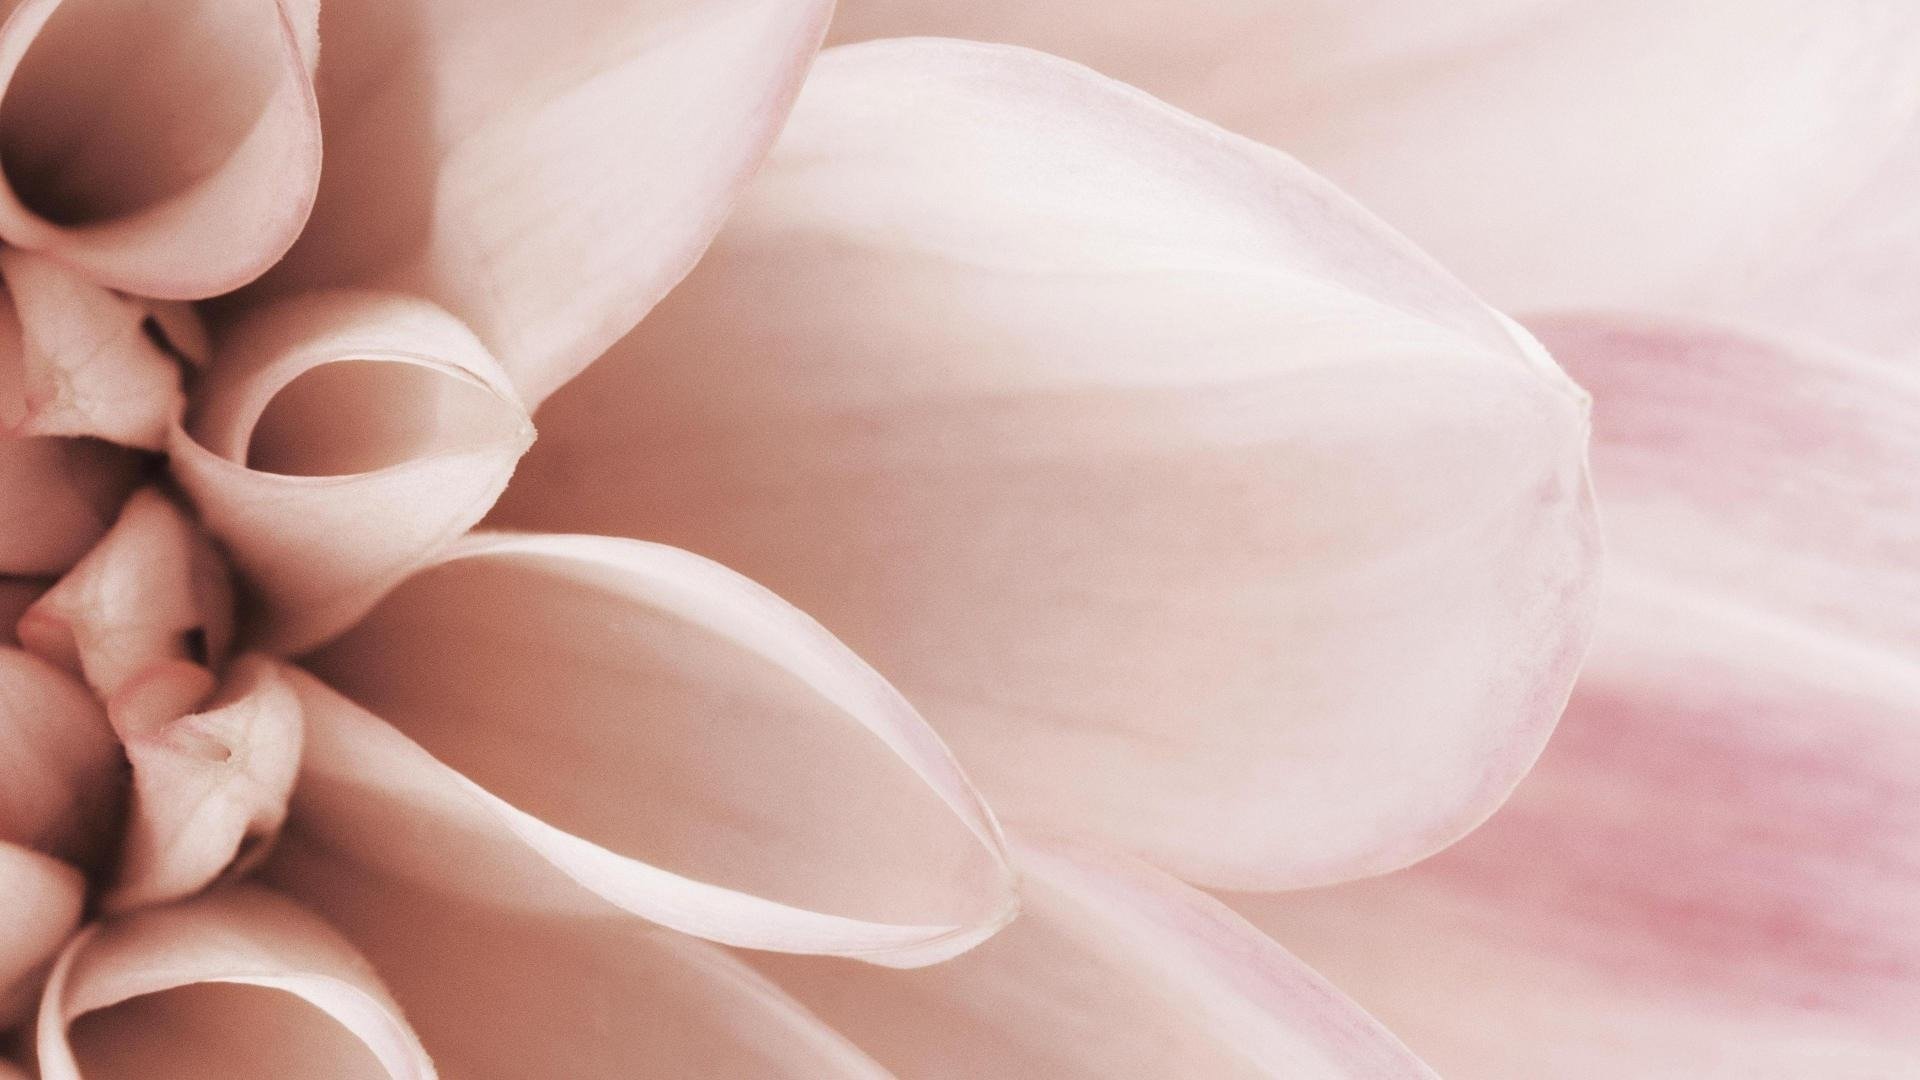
[[499, 992], [622, 723], [153, 589], [1714, 870], [184, 175], [1194, 507], [1554, 153], [544, 172], [238, 984], [339, 440], [61, 774], [42, 897], [16, 596], [1112, 971], [210, 786], [60, 495]]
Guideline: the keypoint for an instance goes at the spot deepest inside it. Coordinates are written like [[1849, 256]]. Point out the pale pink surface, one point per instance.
[[1113, 971], [187, 172], [234, 983], [343, 439], [1196, 509], [61, 494], [152, 589], [548, 171], [1712, 871], [616, 726], [1754, 158], [211, 779], [61, 770], [42, 897]]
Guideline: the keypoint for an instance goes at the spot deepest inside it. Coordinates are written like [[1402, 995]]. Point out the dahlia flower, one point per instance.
[[601, 540]]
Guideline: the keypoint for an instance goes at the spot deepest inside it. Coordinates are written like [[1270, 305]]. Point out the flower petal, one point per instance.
[[1193, 506], [1113, 971], [61, 774], [1713, 871], [210, 780], [88, 364], [184, 175], [635, 726], [153, 589], [60, 495], [237, 983], [42, 897], [545, 173], [499, 992], [340, 440], [1504, 134], [16, 596]]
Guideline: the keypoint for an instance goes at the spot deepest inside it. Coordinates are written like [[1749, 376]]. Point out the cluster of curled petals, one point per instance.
[[595, 539]]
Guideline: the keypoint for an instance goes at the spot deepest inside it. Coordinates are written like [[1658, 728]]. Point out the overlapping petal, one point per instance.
[[1751, 159], [1113, 971], [235, 983], [60, 494], [61, 775], [212, 773], [569, 723], [338, 440], [185, 173], [153, 589], [86, 361], [1711, 873], [545, 172], [42, 897], [500, 992], [1194, 507]]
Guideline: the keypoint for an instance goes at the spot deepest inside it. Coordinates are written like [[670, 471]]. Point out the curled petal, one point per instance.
[[1195, 508], [1113, 970], [340, 440], [499, 992], [1502, 134], [240, 982], [1712, 871], [210, 786], [88, 365], [60, 495], [184, 175], [61, 772], [153, 589], [42, 897], [545, 173], [623, 723]]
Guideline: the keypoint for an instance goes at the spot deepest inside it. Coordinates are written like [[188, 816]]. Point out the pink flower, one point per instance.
[[1152, 497]]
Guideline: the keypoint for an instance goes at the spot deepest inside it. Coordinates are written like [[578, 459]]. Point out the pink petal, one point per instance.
[[1113, 971], [604, 722], [153, 589], [235, 983], [88, 365], [42, 897], [16, 596], [60, 777], [1194, 507], [545, 172], [499, 992], [210, 786], [1713, 871], [1618, 153], [60, 495], [340, 440], [185, 174]]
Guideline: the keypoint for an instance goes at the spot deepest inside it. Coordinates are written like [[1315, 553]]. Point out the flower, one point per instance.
[[1229, 542]]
